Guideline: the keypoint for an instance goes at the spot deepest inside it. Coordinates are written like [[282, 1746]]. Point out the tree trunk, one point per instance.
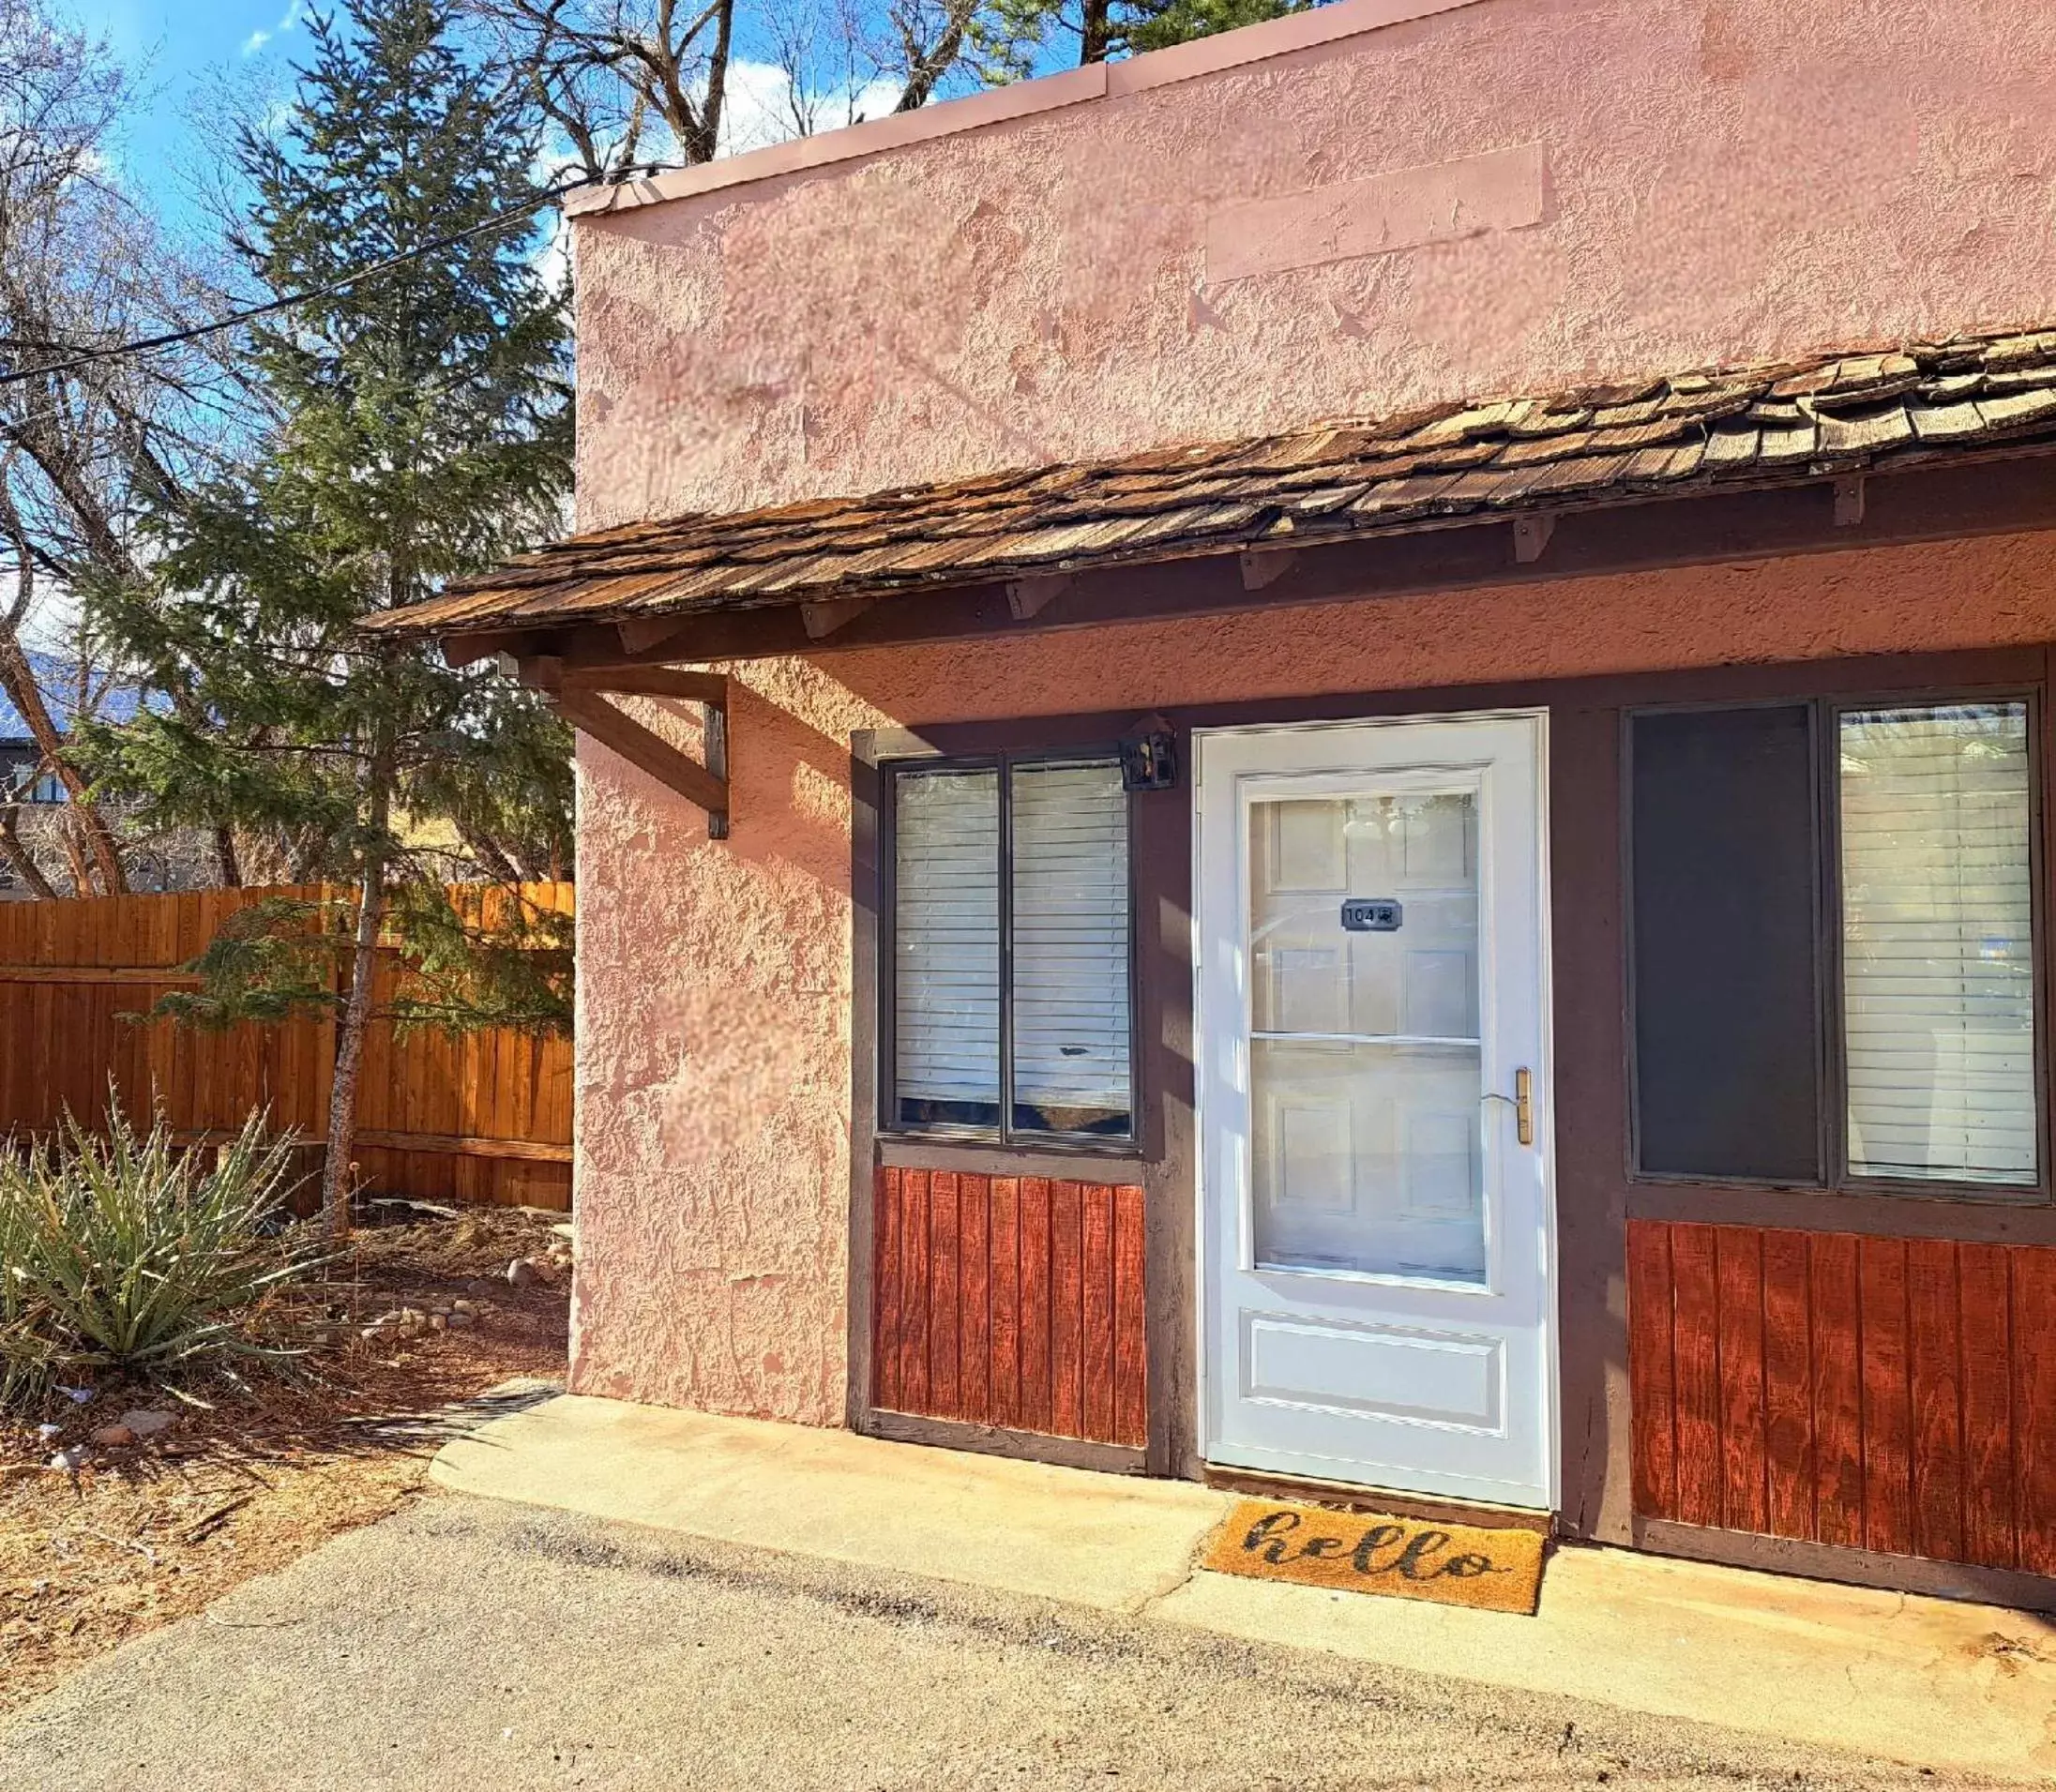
[[227, 866], [15, 851], [355, 1017], [1095, 31], [19, 682], [356, 1008]]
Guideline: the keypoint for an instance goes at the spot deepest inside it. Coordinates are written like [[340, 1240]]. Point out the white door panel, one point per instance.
[[1378, 1260]]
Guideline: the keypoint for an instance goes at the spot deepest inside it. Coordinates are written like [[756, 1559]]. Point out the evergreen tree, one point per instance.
[[421, 429], [1010, 38]]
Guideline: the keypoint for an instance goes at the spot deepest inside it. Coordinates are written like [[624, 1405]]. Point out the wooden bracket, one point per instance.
[[1027, 599], [578, 694], [1262, 566], [1532, 537], [1848, 500], [823, 619], [545, 672], [640, 634]]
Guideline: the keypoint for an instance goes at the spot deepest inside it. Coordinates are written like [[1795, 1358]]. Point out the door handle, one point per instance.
[[1523, 1103]]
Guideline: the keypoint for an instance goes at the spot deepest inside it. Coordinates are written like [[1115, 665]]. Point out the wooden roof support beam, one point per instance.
[[1027, 599], [1848, 500], [1532, 537], [640, 634], [1262, 566], [548, 673], [824, 618], [705, 786]]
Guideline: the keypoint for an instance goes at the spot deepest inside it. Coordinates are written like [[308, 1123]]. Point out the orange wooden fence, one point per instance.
[[483, 1117]]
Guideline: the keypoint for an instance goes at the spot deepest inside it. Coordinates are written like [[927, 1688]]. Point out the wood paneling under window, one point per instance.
[[1879, 1394], [1014, 1302]]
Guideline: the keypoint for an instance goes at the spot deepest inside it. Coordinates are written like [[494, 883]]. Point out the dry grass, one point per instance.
[[157, 1530]]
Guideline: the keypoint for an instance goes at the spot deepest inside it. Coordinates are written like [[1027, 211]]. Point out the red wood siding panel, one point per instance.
[[1003, 1235], [1744, 1503], [1695, 1357], [1875, 1393], [1988, 1532], [885, 1301], [1934, 1356], [1010, 1301], [1837, 1391], [941, 1294], [1788, 1387], [1651, 1391]]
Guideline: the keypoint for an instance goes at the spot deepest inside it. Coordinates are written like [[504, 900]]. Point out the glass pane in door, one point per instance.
[[1365, 1061]]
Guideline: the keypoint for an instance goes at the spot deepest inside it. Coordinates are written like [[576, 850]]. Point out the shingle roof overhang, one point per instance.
[[1680, 435]]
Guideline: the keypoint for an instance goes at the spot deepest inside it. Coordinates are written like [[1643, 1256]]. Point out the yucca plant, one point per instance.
[[123, 1255]]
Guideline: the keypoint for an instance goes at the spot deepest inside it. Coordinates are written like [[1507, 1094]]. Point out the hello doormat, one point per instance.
[[1491, 1570]]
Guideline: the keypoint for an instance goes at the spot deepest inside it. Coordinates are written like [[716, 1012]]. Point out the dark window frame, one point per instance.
[[1007, 1135], [1825, 714]]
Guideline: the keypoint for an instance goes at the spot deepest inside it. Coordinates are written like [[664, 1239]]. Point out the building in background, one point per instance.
[[155, 858]]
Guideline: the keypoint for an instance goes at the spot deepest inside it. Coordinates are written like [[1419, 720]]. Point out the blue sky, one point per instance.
[[180, 51]]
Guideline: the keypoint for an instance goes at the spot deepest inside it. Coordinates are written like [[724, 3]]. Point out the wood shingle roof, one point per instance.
[[1832, 415]]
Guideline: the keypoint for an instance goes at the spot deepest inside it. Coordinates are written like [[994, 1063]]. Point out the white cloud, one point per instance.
[[288, 21]]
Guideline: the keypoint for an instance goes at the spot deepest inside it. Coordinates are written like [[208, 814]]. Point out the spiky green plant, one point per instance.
[[123, 1255]]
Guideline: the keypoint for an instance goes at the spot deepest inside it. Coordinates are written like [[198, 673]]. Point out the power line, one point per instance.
[[84, 357]]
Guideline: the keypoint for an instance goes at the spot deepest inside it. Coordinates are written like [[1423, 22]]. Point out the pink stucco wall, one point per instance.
[[1722, 180], [1698, 181]]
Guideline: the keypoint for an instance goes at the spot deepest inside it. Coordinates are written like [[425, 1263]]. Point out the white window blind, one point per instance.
[[1070, 959], [1938, 965], [947, 948]]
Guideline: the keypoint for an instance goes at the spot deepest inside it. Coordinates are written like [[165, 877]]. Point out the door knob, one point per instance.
[[1522, 1101]]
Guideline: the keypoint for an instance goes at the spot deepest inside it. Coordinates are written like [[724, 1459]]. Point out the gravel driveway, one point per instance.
[[470, 1644]]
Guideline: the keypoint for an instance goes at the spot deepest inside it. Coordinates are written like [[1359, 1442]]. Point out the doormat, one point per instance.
[[1489, 1570]]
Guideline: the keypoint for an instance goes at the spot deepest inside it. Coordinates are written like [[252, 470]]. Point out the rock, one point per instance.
[[458, 1321], [50, 1434], [146, 1421], [521, 1272], [77, 1396], [69, 1460], [114, 1436], [463, 1306], [439, 1321]]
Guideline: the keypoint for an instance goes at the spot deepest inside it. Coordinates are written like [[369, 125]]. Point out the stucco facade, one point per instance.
[[1652, 185], [715, 986]]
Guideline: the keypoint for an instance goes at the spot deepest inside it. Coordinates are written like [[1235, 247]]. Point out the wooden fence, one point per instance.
[[484, 1117]]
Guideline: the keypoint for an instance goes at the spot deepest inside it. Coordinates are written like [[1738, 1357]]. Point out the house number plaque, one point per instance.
[[1371, 915]]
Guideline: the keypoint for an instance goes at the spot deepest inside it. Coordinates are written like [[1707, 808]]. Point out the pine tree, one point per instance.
[[421, 428]]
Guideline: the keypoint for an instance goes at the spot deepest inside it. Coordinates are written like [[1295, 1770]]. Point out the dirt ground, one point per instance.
[[156, 1531]]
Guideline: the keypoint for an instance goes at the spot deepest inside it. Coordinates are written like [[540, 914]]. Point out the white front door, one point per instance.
[[1377, 1232]]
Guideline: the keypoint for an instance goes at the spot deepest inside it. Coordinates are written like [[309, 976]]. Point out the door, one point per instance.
[[1376, 1227]]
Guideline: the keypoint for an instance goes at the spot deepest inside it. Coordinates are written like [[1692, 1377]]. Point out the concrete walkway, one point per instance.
[[1951, 1687]]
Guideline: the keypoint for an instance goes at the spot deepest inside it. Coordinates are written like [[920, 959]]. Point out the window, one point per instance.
[[1009, 1009], [1833, 946]]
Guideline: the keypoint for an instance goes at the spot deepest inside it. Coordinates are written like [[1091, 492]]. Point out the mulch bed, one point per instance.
[[159, 1529]]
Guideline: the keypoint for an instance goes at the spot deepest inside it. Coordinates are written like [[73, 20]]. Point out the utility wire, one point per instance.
[[83, 357]]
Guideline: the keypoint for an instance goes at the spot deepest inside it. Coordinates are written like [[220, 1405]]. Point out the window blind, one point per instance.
[[947, 948], [1070, 949], [1938, 968]]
